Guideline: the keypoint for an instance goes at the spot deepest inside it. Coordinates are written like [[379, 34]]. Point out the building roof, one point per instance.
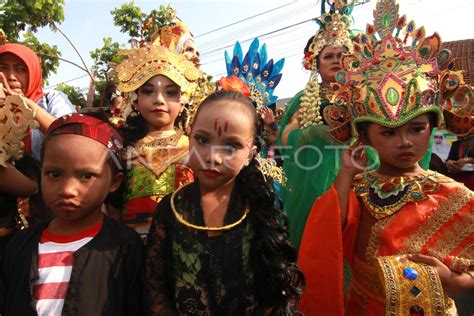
[[463, 53]]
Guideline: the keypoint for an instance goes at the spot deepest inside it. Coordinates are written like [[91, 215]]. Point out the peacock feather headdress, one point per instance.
[[260, 74]]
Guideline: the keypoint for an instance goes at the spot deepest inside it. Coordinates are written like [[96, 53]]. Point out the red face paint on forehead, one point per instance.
[[218, 127]]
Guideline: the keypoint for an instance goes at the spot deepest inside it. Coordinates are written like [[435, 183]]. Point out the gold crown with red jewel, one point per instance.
[[395, 74]]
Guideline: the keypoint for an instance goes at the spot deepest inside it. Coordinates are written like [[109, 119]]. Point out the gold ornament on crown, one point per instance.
[[16, 119], [173, 36], [334, 31], [395, 74], [204, 88], [146, 62]]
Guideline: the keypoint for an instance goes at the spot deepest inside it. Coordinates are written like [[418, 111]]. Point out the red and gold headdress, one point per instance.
[[392, 78]]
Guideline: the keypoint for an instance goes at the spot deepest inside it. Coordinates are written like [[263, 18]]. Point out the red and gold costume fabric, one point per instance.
[[157, 170], [428, 214]]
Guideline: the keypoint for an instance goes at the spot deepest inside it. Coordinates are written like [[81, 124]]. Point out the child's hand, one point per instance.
[[267, 116], [445, 274], [354, 160]]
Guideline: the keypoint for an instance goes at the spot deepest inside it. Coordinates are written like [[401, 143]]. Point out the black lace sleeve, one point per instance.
[[159, 299]]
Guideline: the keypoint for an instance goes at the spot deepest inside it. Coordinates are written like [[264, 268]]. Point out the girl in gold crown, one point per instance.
[[173, 34], [406, 232], [158, 83]]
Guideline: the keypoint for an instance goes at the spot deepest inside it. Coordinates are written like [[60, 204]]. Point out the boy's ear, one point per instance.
[[116, 181]]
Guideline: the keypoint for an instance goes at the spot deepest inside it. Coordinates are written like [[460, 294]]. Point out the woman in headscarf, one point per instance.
[[20, 73]]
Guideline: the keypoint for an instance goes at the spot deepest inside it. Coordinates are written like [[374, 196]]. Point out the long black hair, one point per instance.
[[135, 128], [278, 281]]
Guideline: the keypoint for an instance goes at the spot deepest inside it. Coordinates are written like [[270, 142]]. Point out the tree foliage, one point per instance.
[[129, 18], [17, 16], [74, 94], [105, 59], [140, 26], [48, 54]]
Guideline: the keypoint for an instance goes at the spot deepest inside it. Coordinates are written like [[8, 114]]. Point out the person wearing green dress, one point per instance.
[[311, 158]]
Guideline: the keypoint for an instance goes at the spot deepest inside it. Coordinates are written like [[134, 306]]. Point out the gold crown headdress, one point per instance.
[[391, 80], [16, 118], [334, 30], [146, 62]]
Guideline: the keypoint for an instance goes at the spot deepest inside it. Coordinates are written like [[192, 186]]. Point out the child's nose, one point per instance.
[[68, 188], [405, 140], [214, 156], [160, 99]]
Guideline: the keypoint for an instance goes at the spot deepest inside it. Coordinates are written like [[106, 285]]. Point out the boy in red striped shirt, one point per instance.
[[81, 262]]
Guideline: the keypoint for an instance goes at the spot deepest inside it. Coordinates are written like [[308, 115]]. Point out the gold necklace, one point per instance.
[[170, 140], [384, 195], [181, 219], [325, 91]]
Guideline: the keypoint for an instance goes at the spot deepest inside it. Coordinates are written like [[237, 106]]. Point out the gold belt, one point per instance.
[[411, 286], [366, 280]]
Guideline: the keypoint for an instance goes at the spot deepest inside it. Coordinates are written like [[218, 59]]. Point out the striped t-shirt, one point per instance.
[[55, 262]]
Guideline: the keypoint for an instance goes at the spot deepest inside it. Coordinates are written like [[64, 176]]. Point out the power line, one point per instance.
[[288, 47], [234, 35], [261, 35], [55, 85], [246, 19], [275, 31]]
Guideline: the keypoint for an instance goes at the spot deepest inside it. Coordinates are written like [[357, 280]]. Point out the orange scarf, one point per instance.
[[32, 62]]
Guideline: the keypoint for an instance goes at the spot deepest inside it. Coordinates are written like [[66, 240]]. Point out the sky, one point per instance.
[[284, 25]]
